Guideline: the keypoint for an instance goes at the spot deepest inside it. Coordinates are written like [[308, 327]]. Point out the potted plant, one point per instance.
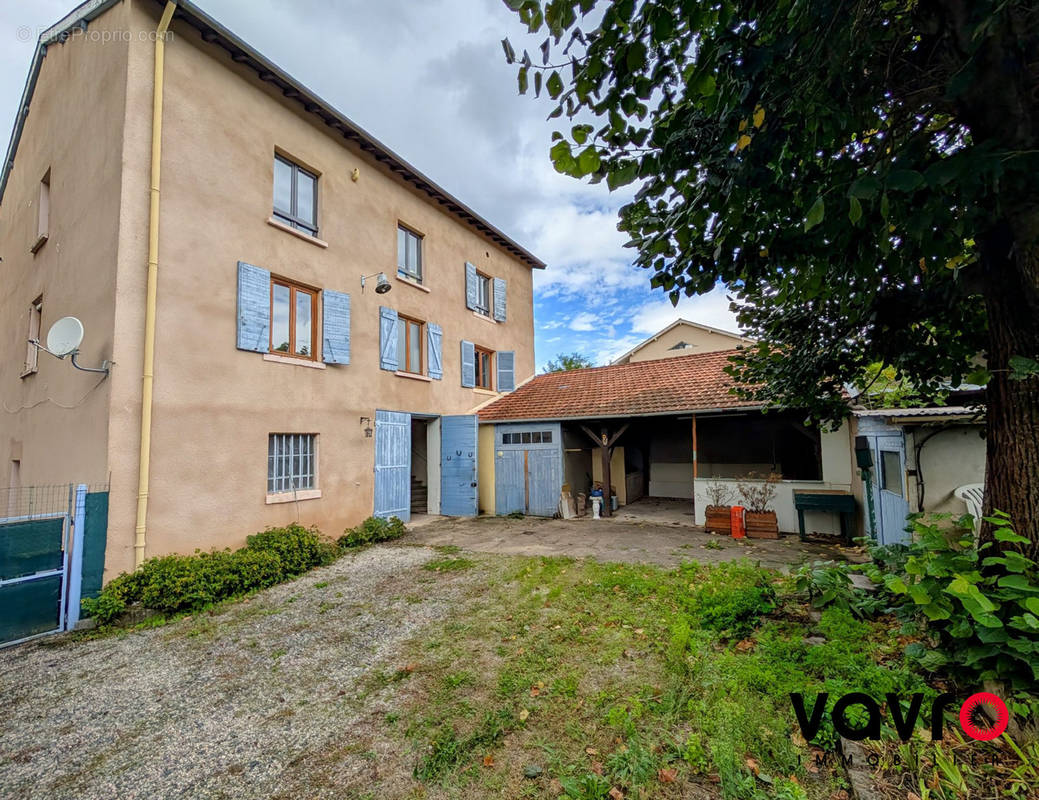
[[758, 493], [719, 504]]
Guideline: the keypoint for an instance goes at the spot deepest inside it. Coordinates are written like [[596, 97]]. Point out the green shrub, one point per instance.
[[173, 584], [372, 530], [828, 583], [977, 606], [732, 598], [299, 548]]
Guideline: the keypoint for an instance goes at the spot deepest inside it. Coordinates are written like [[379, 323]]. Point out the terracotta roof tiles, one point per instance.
[[679, 384]]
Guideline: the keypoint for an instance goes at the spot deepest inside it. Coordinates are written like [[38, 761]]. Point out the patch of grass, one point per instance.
[[448, 564], [448, 549], [662, 683]]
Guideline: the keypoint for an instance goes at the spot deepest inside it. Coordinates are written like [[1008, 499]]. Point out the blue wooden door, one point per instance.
[[510, 482], [458, 476], [892, 499], [458, 496], [544, 481], [393, 465]]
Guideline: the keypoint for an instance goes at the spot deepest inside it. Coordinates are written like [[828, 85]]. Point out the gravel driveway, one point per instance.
[[227, 705]]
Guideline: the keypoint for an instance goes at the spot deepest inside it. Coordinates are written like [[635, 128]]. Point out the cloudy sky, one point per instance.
[[429, 80]]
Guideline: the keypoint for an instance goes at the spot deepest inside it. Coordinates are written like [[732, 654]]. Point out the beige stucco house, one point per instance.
[[682, 338], [280, 386]]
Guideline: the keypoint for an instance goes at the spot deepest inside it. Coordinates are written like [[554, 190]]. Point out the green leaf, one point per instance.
[[815, 214], [588, 160], [1031, 603], [854, 210], [523, 80], [885, 209], [895, 584], [979, 377], [580, 133], [1018, 582], [905, 180], [865, 188], [622, 175], [1007, 535], [919, 594], [1022, 368], [554, 85]]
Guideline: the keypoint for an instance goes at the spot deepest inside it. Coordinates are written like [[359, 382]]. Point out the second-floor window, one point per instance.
[[32, 353], [483, 294], [409, 345], [409, 254], [293, 315], [484, 365], [295, 195]]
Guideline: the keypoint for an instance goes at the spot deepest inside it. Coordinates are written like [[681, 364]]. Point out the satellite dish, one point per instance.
[[65, 337]]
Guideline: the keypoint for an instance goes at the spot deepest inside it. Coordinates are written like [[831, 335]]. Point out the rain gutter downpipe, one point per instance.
[[148, 372]]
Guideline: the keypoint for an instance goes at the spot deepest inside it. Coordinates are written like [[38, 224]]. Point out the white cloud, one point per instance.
[[707, 309], [585, 321]]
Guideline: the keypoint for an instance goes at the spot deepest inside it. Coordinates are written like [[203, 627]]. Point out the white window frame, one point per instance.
[[410, 237], [291, 463]]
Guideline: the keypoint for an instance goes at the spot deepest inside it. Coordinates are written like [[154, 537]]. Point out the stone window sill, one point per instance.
[[299, 362], [306, 237], [291, 497], [485, 318], [485, 391], [413, 284], [413, 376], [40, 242]]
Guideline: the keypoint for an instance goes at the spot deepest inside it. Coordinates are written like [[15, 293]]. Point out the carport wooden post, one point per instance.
[[606, 442]]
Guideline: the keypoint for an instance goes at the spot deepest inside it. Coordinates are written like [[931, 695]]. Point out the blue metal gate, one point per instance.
[[393, 465], [458, 466]]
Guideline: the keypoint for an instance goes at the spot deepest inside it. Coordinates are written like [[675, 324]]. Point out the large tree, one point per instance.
[[864, 176]]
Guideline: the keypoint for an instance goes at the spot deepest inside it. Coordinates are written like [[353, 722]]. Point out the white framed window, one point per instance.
[[295, 195], [483, 294], [291, 462], [409, 254]]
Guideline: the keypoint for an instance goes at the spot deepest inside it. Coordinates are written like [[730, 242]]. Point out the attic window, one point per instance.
[[681, 346], [43, 212]]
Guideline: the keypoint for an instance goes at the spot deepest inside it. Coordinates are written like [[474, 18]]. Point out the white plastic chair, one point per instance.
[[973, 495]]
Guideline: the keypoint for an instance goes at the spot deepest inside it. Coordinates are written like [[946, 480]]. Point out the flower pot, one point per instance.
[[717, 520], [762, 525]]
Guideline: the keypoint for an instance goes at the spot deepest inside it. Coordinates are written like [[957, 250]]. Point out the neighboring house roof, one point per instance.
[[241, 53], [930, 414], [734, 336], [646, 388]]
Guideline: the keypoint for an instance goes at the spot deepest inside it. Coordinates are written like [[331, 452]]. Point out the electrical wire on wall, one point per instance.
[[75, 405]]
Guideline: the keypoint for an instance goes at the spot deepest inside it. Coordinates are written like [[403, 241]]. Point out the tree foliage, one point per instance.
[[860, 174], [568, 361]]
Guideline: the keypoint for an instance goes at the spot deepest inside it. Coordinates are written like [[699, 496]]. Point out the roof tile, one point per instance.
[[683, 383]]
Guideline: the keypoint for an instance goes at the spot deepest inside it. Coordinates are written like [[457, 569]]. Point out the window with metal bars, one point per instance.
[[291, 462]]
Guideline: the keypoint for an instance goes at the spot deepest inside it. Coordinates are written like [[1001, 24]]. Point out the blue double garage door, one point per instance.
[[528, 469]]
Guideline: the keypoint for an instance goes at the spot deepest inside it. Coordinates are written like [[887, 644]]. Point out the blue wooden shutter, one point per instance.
[[392, 465], [388, 338], [472, 288], [499, 299], [506, 370], [468, 365], [335, 327], [254, 308], [435, 350]]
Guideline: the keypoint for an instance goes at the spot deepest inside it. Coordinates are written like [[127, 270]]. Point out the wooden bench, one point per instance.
[[836, 501]]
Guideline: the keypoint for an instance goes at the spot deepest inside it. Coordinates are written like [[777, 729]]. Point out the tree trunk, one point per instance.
[[1010, 258]]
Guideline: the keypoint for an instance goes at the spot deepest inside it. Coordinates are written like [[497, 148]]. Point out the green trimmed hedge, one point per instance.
[[372, 530], [173, 584]]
